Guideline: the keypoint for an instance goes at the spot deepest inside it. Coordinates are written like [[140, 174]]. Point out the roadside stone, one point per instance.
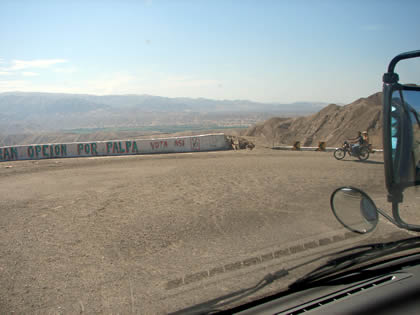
[[309, 245], [233, 266], [338, 238], [325, 241], [281, 252], [251, 261], [296, 249], [196, 277], [267, 257], [216, 271], [174, 284], [350, 234]]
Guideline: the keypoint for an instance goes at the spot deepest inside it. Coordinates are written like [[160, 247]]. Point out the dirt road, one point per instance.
[[114, 234]]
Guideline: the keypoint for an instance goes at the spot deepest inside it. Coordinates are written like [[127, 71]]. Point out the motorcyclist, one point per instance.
[[365, 136], [357, 143], [366, 141]]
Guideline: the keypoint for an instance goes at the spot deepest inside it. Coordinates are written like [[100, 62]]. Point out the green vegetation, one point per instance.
[[148, 129]]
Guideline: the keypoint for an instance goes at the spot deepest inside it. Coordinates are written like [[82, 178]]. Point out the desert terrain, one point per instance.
[[270, 126], [157, 233]]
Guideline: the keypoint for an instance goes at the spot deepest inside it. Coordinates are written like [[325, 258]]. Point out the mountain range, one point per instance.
[[333, 124], [23, 112], [44, 117]]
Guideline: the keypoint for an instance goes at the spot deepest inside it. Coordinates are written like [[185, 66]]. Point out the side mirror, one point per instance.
[[401, 136], [401, 131], [354, 209]]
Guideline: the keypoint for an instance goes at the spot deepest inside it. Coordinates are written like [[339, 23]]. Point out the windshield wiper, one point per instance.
[[213, 306], [364, 253], [358, 255]]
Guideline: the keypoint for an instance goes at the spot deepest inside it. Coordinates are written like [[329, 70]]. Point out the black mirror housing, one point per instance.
[[400, 141]]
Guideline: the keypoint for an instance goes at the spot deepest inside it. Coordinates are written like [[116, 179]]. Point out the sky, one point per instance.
[[267, 51]]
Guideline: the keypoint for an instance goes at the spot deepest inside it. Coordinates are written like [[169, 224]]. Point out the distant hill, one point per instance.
[[44, 115], [35, 103], [22, 112], [332, 124]]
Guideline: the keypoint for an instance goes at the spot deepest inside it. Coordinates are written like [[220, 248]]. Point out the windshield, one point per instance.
[[155, 155]]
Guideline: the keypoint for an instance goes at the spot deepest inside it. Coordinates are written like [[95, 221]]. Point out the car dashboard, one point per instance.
[[385, 288]]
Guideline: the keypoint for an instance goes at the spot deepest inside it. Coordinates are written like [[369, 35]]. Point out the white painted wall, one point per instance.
[[115, 147]]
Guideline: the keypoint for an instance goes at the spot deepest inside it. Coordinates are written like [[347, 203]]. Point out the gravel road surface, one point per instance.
[[134, 234]]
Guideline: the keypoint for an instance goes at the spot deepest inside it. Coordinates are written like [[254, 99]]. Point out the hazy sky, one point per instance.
[[271, 51]]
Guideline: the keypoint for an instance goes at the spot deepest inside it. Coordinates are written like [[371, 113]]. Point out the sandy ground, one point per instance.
[[114, 235]]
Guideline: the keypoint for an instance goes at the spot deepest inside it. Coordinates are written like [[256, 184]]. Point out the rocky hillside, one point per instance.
[[332, 124]]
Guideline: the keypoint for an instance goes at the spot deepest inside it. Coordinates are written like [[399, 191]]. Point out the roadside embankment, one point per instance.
[[210, 142]]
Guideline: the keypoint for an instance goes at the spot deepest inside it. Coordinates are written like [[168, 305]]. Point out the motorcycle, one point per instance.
[[362, 155]]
